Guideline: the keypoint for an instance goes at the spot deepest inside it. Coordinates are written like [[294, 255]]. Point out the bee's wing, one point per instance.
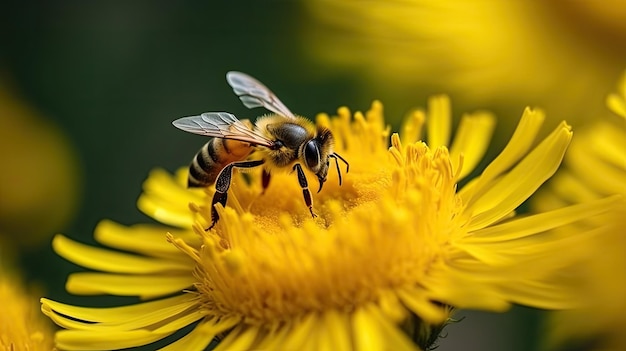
[[254, 94], [221, 125]]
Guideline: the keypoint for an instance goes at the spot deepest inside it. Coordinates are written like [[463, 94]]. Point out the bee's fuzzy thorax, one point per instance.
[[264, 121]]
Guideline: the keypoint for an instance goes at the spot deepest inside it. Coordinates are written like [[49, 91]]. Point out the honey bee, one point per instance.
[[278, 141]]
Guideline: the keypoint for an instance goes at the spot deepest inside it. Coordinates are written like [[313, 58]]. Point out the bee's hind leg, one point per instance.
[[222, 184]]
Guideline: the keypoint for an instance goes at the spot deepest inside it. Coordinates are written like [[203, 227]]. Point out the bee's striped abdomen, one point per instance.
[[212, 158]]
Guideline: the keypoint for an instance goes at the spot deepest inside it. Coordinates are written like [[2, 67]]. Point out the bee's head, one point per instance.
[[316, 155]]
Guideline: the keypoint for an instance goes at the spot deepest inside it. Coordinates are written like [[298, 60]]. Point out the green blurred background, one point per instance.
[[100, 83]]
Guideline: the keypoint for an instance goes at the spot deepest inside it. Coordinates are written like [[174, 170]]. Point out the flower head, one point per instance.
[[391, 251], [485, 52], [594, 168]]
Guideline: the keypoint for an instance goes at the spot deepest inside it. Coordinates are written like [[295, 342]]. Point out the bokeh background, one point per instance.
[[88, 91]]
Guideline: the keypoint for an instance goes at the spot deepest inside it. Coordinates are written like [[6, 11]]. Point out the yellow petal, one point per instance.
[[144, 286], [167, 201], [417, 301], [197, 340], [163, 211], [471, 141], [412, 127], [96, 340], [149, 240], [114, 315], [517, 147], [396, 339], [336, 332], [366, 332], [274, 339], [300, 333], [111, 261], [439, 121], [477, 289], [114, 339], [542, 222], [241, 338], [509, 191]]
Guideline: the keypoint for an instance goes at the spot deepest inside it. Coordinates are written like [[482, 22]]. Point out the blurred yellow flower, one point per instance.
[[22, 327], [595, 167], [495, 54], [392, 251], [40, 174]]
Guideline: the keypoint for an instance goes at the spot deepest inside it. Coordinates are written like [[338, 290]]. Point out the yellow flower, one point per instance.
[[22, 327], [596, 167], [498, 54], [40, 174], [391, 252]]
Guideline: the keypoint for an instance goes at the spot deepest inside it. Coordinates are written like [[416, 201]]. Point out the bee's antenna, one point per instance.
[[337, 156]]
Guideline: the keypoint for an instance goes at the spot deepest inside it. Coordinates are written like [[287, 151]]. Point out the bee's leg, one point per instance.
[[265, 180], [304, 184], [222, 183]]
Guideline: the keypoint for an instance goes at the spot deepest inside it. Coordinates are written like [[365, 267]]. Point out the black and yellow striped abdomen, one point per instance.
[[212, 158]]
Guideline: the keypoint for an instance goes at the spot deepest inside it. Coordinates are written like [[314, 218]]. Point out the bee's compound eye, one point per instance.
[[312, 154]]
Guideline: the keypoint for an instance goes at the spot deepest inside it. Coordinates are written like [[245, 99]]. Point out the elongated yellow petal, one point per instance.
[[540, 222], [525, 251], [113, 315], [478, 291], [416, 301], [412, 127], [439, 121], [396, 340], [274, 339], [161, 184], [336, 332], [471, 141], [144, 286], [167, 200], [162, 211], [511, 190], [149, 240], [95, 340], [368, 337], [197, 340], [115, 339], [300, 333], [238, 339], [541, 294], [516, 148], [111, 261]]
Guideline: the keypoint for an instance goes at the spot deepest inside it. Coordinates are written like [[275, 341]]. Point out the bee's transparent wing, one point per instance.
[[221, 125], [254, 94]]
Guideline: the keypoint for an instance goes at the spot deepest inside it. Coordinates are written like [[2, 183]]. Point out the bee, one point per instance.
[[278, 141]]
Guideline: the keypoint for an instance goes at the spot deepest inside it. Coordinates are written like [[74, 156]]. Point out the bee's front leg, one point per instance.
[[222, 184], [304, 184]]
